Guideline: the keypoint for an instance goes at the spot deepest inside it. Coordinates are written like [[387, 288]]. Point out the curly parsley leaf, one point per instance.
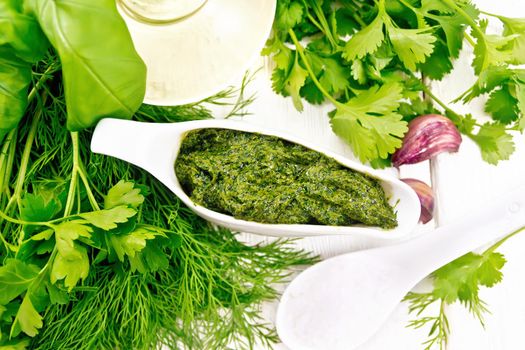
[[513, 27], [288, 14], [492, 50], [289, 83], [412, 45], [495, 143], [108, 219], [502, 105], [123, 193], [37, 207], [15, 278], [369, 122], [331, 74], [367, 40], [438, 64], [27, 319], [67, 232], [130, 243], [73, 267], [459, 280], [311, 93]]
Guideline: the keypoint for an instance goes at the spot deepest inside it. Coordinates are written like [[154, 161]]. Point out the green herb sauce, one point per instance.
[[269, 180]]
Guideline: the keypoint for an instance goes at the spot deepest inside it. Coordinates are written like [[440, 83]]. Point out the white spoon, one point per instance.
[[341, 302], [154, 147]]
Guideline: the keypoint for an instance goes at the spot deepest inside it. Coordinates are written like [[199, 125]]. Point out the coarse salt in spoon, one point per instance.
[[155, 146], [341, 302]]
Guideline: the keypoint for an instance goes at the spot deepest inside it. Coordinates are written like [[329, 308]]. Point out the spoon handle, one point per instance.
[[497, 219]]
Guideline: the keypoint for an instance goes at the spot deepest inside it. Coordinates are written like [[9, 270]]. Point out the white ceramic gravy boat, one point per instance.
[[155, 146]]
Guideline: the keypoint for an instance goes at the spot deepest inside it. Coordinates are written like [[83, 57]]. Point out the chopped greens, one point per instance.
[[269, 180]]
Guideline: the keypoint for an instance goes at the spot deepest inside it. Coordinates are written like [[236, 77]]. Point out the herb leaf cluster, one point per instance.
[[458, 281], [95, 253], [103, 74], [367, 57]]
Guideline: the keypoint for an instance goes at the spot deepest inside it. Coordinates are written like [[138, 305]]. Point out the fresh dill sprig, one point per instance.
[[439, 326], [233, 97], [178, 283]]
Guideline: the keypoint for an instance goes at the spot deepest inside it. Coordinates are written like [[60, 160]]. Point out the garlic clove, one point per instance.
[[427, 136], [426, 198]]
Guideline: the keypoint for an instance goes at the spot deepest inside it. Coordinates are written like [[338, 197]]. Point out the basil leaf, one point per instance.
[[103, 74], [21, 31], [15, 76]]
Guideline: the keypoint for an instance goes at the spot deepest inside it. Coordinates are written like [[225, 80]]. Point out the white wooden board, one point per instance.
[[461, 181]]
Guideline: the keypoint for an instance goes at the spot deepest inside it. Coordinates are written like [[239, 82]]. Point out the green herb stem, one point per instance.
[[503, 240], [315, 23], [85, 181], [443, 329], [489, 14], [23, 222], [359, 20], [470, 40], [16, 197], [54, 253], [316, 5], [74, 176], [308, 67], [4, 157], [420, 20], [238, 107], [9, 163], [46, 75], [450, 112]]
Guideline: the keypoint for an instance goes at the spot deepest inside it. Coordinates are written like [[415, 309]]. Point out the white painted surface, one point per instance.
[[461, 181]]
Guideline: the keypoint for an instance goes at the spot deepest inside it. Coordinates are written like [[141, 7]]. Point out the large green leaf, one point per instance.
[[22, 42], [15, 278], [21, 31], [15, 76], [103, 74], [27, 319]]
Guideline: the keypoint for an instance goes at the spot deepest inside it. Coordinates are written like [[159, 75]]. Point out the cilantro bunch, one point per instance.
[[367, 58], [458, 281]]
